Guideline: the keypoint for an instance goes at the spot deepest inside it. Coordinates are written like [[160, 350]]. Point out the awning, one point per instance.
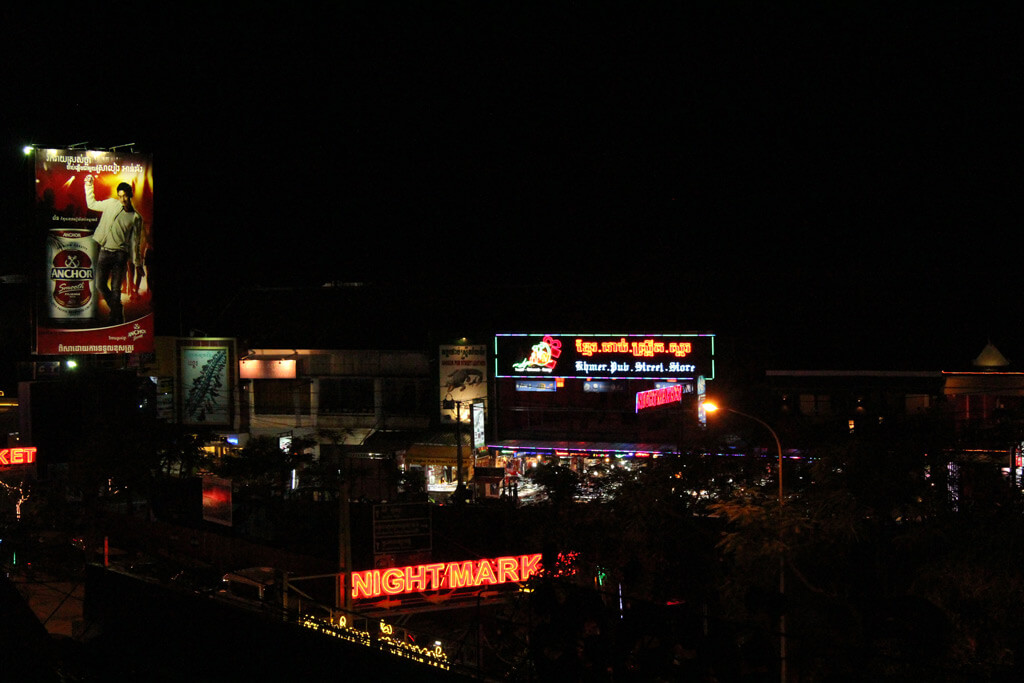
[[492, 475], [429, 454]]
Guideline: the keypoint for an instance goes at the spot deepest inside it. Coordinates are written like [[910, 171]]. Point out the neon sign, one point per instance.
[[640, 349], [659, 397], [605, 356], [374, 583], [17, 456], [385, 640], [543, 356]]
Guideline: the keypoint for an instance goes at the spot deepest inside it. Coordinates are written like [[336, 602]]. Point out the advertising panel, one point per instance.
[[206, 381], [94, 220], [605, 356], [463, 370], [217, 503]]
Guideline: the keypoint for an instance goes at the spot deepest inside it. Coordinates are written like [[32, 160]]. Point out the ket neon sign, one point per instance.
[[17, 456], [374, 583], [658, 397]]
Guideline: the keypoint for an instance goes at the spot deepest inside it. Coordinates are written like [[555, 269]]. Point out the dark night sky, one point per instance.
[[845, 180]]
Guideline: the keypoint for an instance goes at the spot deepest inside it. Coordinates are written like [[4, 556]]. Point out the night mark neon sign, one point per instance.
[[658, 397], [17, 456], [374, 583]]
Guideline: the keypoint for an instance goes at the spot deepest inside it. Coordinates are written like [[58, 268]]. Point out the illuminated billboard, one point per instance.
[[463, 370], [605, 356], [94, 222], [206, 381]]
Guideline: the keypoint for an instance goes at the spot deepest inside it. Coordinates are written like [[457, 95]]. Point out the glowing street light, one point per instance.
[[710, 408]]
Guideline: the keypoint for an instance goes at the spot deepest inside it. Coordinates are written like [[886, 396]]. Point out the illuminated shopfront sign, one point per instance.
[[374, 583], [659, 397], [266, 369], [605, 356], [17, 456]]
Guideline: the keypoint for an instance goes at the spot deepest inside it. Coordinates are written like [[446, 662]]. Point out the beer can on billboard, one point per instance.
[[71, 273]]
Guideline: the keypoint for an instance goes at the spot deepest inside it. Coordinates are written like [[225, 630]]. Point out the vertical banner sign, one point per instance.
[[463, 370], [479, 427], [94, 221], [207, 380]]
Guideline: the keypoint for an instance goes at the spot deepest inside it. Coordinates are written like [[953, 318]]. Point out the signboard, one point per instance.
[[463, 371], [702, 394], [536, 385], [206, 381], [479, 427], [17, 456], [402, 528], [605, 356], [659, 397], [267, 369], [94, 224], [375, 583], [217, 500]]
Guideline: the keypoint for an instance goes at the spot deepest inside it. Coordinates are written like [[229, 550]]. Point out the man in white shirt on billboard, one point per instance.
[[118, 238]]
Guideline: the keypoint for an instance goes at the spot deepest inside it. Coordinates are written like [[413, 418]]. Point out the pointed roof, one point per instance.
[[990, 358]]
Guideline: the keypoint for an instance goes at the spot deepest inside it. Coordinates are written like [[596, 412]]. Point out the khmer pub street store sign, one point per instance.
[[605, 356]]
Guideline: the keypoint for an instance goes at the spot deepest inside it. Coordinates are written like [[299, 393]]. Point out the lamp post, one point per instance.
[[460, 488], [710, 408]]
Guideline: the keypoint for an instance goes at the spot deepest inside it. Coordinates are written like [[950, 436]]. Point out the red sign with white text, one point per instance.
[[17, 456], [658, 397]]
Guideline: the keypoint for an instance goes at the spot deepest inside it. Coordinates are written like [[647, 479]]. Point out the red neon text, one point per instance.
[[374, 583], [17, 456], [658, 397], [642, 349]]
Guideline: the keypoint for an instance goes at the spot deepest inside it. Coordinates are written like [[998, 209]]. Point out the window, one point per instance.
[[815, 404], [917, 403], [346, 396], [281, 396], [404, 396]]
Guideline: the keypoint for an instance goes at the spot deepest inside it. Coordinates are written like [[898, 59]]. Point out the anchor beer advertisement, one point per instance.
[[94, 220]]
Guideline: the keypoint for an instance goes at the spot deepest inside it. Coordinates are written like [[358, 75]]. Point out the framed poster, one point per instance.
[[207, 381]]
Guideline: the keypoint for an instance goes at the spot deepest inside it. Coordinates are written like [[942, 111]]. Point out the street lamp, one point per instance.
[[710, 407]]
